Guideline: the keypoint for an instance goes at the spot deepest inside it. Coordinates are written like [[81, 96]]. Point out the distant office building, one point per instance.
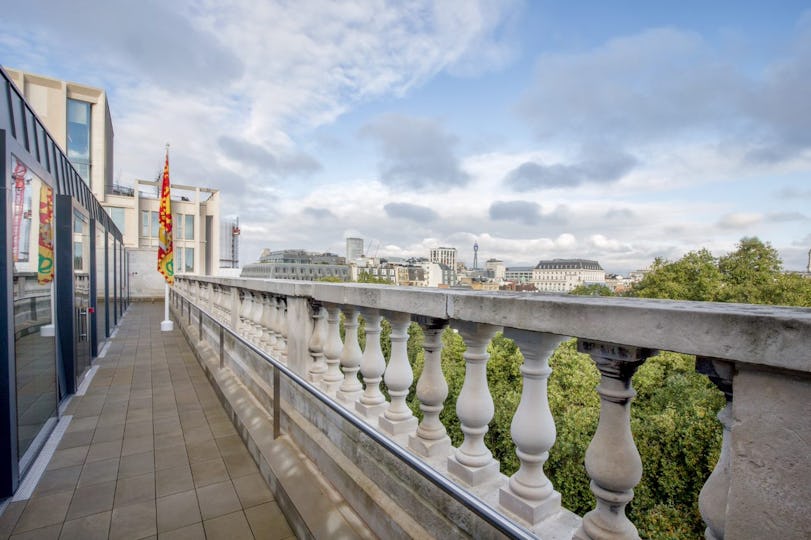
[[495, 269], [519, 274], [297, 264], [354, 248], [563, 275], [445, 256], [229, 243]]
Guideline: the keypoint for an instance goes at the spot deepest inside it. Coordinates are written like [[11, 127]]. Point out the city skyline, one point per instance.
[[535, 129]]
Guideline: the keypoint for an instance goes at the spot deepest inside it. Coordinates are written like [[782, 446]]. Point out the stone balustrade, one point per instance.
[[759, 356]]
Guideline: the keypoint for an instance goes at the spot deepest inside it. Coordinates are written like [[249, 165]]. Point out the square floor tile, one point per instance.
[[93, 527], [133, 521], [252, 490], [54, 480], [99, 471], [217, 500], [43, 511], [228, 527], [208, 472], [268, 522], [135, 489], [92, 499], [178, 510], [173, 480]]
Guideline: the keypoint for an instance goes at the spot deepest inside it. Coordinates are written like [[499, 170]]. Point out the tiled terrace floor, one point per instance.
[[149, 453]]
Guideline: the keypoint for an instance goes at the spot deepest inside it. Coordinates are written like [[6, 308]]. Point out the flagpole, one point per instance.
[[166, 324]]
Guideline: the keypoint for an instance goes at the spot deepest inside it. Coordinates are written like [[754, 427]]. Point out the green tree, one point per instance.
[[751, 273], [593, 289], [693, 277], [367, 277]]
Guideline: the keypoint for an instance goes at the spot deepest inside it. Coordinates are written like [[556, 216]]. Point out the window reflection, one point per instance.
[[34, 345]]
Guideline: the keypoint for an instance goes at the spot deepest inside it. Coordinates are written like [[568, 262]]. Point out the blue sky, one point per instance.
[[616, 131]]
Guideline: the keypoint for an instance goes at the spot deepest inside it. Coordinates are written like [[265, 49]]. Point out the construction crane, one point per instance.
[[19, 206]]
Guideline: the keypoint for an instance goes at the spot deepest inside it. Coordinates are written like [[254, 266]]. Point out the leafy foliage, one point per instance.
[[592, 289]]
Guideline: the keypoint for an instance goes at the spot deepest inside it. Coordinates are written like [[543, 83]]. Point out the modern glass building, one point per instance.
[[63, 276]]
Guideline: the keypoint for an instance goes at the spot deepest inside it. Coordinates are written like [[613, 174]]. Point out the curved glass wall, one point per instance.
[[34, 343]]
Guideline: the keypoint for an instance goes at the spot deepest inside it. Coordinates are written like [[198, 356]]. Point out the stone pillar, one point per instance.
[[398, 378], [529, 494], [316, 345], [281, 339], [473, 462], [612, 460], [431, 438], [351, 355], [333, 346], [712, 501], [372, 365]]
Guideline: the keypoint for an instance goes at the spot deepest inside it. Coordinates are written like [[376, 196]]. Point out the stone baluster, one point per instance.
[[351, 355], [332, 378], [712, 501], [273, 324], [281, 339], [242, 310], [473, 462], [268, 335], [529, 494], [316, 345], [256, 317], [431, 438], [372, 365], [612, 460], [398, 377]]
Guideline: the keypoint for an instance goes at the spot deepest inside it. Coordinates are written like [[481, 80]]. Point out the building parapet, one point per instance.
[[757, 355]]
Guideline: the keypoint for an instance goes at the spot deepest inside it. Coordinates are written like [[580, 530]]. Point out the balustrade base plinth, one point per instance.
[[397, 427], [473, 476], [371, 412], [532, 512], [429, 448], [591, 528], [348, 398], [330, 387]]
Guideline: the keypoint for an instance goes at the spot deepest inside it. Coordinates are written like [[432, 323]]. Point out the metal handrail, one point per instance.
[[471, 502]]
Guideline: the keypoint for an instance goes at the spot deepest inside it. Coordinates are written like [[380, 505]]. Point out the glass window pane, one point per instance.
[[155, 225], [118, 216], [144, 223], [188, 261], [189, 227], [79, 136]]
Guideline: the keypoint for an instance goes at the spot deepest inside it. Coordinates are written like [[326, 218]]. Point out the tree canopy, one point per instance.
[[751, 274]]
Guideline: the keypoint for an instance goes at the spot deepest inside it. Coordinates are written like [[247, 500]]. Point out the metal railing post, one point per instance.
[[222, 347], [276, 403]]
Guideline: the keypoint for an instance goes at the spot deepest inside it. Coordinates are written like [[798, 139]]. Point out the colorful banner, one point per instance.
[[45, 266], [166, 264]]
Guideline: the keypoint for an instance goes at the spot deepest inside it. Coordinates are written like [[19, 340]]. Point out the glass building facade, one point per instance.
[[63, 280]]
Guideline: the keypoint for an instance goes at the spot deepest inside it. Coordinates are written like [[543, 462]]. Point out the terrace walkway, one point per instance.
[[149, 453]]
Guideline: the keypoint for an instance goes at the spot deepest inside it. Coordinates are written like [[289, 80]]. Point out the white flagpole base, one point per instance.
[[167, 325]]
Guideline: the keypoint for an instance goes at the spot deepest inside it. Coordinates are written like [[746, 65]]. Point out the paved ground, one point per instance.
[[149, 453]]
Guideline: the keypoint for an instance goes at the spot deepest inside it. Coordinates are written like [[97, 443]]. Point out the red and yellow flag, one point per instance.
[[45, 265], [166, 256]]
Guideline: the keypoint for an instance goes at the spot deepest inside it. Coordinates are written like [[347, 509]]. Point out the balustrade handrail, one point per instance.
[[474, 504], [772, 336]]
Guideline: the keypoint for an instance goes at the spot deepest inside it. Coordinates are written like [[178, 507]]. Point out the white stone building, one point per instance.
[[563, 275]]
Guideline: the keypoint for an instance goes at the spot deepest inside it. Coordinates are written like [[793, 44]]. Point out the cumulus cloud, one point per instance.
[[528, 213], [600, 165], [318, 213], [666, 84], [739, 220], [417, 153], [257, 156], [413, 212]]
